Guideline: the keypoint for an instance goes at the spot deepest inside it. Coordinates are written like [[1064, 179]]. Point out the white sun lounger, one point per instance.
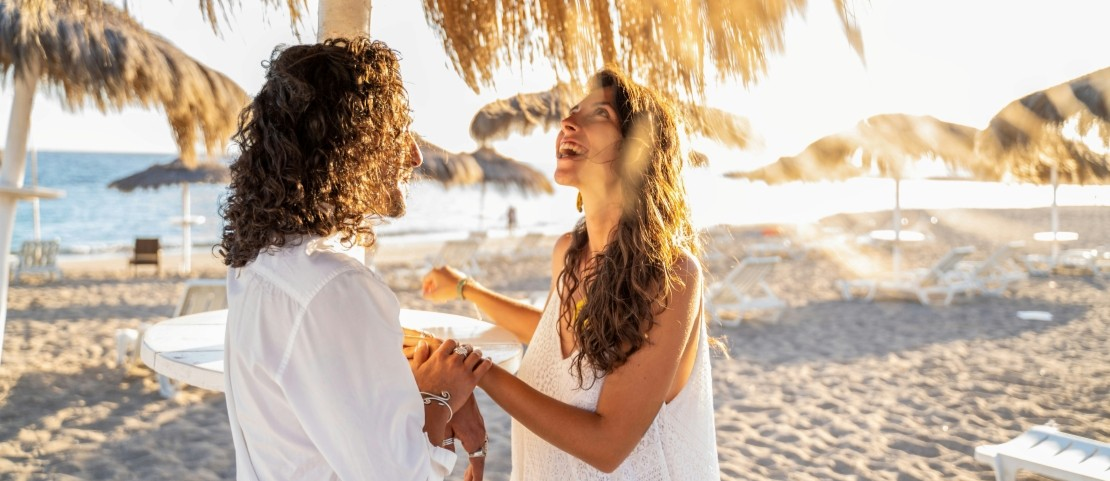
[[1046, 451], [744, 290]]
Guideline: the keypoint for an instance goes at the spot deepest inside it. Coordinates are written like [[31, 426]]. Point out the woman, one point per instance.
[[615, 383]]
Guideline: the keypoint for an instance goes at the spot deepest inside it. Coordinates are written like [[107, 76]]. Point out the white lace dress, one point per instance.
[[680, 445]]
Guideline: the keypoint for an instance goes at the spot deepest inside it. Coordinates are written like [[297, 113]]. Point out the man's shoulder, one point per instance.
[[302, 270]]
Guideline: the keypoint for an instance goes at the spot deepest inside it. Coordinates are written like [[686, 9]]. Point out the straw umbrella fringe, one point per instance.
[[887, 143], [93, 53], [175, 173], [671, 45]]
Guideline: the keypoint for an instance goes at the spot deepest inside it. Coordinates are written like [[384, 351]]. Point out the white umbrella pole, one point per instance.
[[35, 217], [186, 231], [343, 18], [11, 175], [1055, 217], [896, 254]]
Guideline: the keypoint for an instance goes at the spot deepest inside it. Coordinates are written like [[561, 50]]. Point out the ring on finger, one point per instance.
[[462, 350]]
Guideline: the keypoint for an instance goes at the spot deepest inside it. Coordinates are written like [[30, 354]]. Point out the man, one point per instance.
[[317, 386]]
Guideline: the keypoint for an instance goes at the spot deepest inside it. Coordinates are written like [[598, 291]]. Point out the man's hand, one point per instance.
[[469, 428]]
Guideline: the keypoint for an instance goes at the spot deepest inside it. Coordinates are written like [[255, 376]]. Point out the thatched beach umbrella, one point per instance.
[[524, 113], [1027, 138], [93, 53], [887, 145], [177, 173], [506, 174], [447, 168], [670, 45]]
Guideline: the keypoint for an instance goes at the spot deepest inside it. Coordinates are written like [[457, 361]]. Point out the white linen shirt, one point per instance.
[[317, 387]]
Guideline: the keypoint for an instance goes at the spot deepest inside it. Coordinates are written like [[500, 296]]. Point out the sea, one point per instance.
[[93, 220]]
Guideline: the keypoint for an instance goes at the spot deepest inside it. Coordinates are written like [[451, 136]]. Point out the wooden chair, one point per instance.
[[147, 252]]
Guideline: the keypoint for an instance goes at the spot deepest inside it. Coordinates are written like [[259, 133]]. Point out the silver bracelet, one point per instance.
[[442, 399]]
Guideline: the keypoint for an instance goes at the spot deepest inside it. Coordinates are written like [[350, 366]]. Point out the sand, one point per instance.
[[835, 390]]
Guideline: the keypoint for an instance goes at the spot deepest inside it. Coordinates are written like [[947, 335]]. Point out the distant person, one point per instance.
[[615, 384], [316, 382], [510, 219]]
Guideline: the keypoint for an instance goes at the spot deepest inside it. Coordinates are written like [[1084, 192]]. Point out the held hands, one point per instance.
[[448, 368], [441, 283]]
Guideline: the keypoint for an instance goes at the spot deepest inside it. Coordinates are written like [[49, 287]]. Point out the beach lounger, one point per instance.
[[530, 245], [461, 254], [998, 272], [38, 257], [743, 290], [1046, 451], [942, 279]]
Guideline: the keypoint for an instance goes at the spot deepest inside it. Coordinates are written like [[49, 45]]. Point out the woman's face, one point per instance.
[[589, 142]]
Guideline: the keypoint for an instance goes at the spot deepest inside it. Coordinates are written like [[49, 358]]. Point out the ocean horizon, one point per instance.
[[93, 219]]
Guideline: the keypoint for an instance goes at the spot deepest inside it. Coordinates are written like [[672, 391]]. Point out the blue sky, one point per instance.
[[958, 60]]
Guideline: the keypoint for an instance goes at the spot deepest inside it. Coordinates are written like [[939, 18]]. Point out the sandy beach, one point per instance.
[[835, 390]]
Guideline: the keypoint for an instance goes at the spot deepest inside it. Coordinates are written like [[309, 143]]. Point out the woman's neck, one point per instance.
[[601, 220]]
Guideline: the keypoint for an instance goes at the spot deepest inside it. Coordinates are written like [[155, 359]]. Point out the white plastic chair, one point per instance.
[[458, 253], [38, 257], [200, 295], [743, 290]]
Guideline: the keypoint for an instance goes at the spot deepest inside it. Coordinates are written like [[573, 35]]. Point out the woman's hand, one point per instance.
[[469, 428], [447, 369], [441, 283]]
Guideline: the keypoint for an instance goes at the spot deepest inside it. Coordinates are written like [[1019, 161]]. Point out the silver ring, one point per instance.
[[481, 453], [462, 350]]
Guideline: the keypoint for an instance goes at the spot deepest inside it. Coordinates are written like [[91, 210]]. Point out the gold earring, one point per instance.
[[578, 204]]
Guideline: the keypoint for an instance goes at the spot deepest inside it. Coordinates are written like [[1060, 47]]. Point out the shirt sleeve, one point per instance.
[[352, 389]]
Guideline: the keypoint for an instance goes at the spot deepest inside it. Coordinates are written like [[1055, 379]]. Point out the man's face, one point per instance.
[[400, 188]]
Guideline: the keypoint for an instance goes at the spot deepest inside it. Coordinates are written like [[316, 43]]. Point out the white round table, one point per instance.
[[190, 348]]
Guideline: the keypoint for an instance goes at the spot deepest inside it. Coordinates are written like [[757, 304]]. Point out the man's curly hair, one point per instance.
[[323, 147]]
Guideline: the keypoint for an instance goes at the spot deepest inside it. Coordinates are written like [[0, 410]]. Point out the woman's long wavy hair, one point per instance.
[[632, 279], [321, 149]]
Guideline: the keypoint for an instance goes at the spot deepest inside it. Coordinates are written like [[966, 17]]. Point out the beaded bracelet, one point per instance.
[[442, 399], [459, 288]]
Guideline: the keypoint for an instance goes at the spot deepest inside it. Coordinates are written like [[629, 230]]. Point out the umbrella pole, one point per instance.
[[11, 175], [1055, 216], [186, 231], [482, 208], [35, 216], [343, 18], [896, 254]]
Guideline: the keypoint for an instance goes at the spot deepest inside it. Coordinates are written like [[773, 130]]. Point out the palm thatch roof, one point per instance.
[[1027, 138], [174, 173], [92, 53], [524, 113], [449, 169], [887, 142], [1025, 121], [670, 45], [505, 173]]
